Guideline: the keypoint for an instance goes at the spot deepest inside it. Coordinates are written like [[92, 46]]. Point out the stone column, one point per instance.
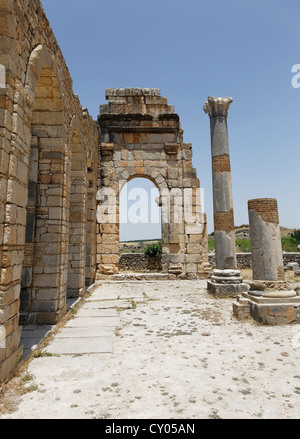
[[226, 279], [266, 249], [268, 301]]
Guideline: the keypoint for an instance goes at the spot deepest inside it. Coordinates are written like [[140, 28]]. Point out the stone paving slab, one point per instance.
[[82, 345], [92, 322], [69, 369], [81, 332], [117, 293], [101, 304], [96, 312]]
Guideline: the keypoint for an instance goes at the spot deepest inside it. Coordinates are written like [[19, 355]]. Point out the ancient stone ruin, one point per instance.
[[61, 174], [141, 136]]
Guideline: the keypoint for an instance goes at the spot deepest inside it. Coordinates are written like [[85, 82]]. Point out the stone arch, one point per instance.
[[40, 58], [43, 294], [155, 177], [141, 136]]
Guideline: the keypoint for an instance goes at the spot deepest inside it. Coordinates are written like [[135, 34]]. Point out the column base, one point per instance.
[[268, 285], [268, 307], [226, 283]]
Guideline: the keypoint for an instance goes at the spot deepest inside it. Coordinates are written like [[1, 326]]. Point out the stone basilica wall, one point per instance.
[[48, 179]]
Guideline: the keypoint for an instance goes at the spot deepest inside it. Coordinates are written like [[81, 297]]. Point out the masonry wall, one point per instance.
[[139, 262], [48, 169]]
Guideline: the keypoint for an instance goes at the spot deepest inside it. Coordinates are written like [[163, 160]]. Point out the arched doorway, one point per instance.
[[140, 226], [139, 212]]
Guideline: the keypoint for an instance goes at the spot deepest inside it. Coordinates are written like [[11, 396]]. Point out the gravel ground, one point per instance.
[[176, 353]]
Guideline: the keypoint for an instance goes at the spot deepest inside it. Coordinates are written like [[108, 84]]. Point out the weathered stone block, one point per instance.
[[108, 269], [275, 314], [226, 290], [241, 309]]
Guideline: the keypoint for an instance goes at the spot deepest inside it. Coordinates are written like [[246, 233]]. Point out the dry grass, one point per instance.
[[246, 274], [11, 391]]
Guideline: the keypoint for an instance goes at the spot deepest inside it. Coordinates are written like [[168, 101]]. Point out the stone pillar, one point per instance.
[[266, 249], [226, 279], [268, 301]]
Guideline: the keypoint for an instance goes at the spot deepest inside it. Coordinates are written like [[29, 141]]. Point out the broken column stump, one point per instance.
[[268, 301]]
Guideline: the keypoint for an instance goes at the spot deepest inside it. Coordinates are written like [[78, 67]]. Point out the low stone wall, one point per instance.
[[244, 260], [139, 262]]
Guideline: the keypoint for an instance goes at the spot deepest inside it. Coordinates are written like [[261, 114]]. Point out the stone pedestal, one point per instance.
[[226, 283], [268, 307], [222, 283]]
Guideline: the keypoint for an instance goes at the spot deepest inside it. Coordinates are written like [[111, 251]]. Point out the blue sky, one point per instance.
[[192, 49]]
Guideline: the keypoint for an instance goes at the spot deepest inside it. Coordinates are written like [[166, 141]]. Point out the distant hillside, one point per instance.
[[137, 246], [242, 237], [243, 232], [289, 244]]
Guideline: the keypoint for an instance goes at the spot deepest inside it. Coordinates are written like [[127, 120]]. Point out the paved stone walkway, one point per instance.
[[162, 349]]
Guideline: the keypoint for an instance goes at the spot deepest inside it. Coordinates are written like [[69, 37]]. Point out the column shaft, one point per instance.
[[266, 249], [222, 187], [226, 280]]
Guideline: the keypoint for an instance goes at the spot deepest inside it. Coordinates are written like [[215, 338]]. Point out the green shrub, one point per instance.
[[211, 244], [295, 236], [243, 245], [290, 243], [154, 250]]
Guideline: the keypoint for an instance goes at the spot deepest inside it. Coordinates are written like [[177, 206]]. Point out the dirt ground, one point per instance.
[[176, 353]]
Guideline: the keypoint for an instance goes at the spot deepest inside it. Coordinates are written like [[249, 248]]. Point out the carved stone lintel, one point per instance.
[[217, 106]]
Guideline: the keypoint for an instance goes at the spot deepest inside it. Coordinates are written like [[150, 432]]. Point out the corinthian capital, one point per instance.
[[217, 106]]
